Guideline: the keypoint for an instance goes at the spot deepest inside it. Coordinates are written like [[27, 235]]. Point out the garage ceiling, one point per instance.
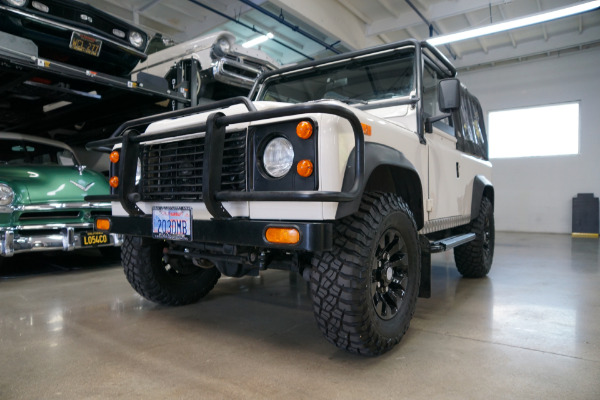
[[353, 24]]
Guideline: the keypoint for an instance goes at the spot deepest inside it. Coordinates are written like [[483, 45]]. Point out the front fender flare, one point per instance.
[[386, 169]]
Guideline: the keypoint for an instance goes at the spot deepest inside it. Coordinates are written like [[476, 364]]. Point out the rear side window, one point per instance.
[[470, 129]]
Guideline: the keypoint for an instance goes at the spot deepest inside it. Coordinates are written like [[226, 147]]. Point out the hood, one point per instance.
[[169, 124], [38, 184]]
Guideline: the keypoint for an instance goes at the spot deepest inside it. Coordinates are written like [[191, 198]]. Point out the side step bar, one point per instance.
[[427, 248], [451, 242]]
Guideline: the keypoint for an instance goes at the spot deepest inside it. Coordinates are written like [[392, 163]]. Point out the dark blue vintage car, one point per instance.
[[75, 33]]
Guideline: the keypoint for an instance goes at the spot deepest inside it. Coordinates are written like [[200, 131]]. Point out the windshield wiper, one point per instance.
[[345, 99]]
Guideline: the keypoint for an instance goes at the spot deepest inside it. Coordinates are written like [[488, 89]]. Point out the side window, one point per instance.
[[465, 116], [431, 79], [478, 127], [65, 157], [471, 129]]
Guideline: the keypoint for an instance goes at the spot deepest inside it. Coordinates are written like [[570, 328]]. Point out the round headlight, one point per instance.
[[136, 39], [6, 195], [224, 45], [278, 157], [17, 3]]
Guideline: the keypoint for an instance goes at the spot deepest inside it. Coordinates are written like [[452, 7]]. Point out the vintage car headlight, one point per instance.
[[136, 39], [220, 48], [6, 195], [224, 45], [16, 3], [278, 157]]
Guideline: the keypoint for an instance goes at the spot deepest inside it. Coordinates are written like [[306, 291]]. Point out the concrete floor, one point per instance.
[[531, 330]]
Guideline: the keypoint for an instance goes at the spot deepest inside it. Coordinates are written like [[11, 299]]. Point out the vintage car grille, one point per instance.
[[250, 63], [173, 171], [62, 214], [53, 216]]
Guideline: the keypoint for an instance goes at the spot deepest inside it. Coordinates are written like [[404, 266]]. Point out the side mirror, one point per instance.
[[449, 95]]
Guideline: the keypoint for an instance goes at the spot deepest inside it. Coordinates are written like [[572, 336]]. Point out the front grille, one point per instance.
[[49, 215], [248, 62], [234, 69], [100, 213], [173, 171], [254, 64]]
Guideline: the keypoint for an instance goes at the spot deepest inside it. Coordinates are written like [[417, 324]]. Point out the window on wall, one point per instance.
[[535, 131]]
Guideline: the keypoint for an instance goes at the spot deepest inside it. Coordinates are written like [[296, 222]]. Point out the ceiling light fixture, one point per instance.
[[261, 39], [516, 23]]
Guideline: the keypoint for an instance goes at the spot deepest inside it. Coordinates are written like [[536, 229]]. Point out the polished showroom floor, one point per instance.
[[72, 328]]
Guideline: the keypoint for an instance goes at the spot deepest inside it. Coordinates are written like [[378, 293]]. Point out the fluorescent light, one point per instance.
[[516, 23], [261, 39]]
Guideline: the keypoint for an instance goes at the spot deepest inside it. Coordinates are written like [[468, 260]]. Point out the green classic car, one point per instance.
[[42, 190]]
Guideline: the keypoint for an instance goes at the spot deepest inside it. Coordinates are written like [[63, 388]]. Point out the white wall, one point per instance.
[[534, 194]]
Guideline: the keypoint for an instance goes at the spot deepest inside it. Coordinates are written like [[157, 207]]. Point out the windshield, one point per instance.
[[21, 152], [359, 80]]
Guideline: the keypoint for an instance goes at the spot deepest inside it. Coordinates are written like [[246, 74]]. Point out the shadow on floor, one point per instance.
[[53, 262]]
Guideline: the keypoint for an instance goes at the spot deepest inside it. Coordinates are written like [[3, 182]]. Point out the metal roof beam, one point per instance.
[[509, 33], [435, 12], [527, 49], [331, 18]]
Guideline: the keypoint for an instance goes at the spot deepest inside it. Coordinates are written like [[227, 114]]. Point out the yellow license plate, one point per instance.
[[94, 239], [85, 44]]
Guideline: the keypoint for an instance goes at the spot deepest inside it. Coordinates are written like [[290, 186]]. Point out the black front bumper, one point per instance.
[[314, 236]]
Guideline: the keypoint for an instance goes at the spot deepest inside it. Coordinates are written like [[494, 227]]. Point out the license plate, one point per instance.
[[173, 223], [94, 238], [85, 44]]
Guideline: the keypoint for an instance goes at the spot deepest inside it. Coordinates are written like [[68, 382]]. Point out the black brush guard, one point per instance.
[[315, 236], [128, 136]]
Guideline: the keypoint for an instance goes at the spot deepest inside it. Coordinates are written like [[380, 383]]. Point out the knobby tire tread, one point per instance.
[[139, 257], [338, 279], [470, 258]]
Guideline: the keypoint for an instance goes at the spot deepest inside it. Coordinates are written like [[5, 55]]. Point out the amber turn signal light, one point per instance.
[[366, 129], [114, 157], [305, 168], [103, 224], [304, 130], [114, 182], [282, 235]]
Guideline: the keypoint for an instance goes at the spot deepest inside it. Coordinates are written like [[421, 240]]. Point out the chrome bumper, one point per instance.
[[64, 239], [229, 71]]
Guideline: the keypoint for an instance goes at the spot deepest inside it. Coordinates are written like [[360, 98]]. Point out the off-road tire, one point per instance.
[[351, 310], [474, 259], [157, 281]]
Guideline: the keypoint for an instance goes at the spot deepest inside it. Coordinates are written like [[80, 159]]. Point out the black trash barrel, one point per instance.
[[585, 215]]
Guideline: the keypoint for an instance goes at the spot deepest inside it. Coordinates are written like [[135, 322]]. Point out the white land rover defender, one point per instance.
[[351, 170]]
